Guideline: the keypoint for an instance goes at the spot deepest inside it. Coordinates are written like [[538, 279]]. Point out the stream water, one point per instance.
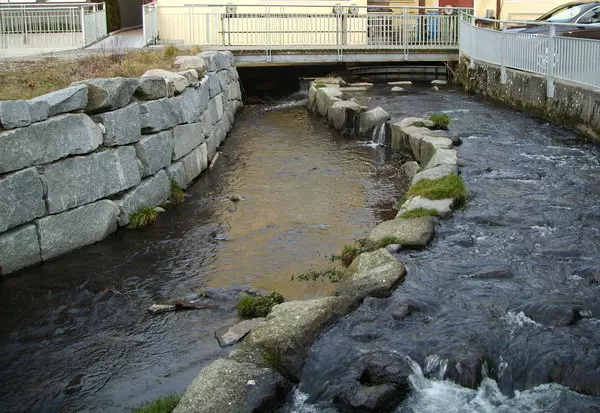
[[74, 332], [503, 307]]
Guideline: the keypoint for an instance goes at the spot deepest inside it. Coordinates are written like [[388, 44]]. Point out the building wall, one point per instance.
[[517, 9]]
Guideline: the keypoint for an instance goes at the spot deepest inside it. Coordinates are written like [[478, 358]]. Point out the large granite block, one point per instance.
[[176, 174], [62, 101], [214, 86], [83, 179], [108, 93], [195, 162], [191, 106], [186, 138], [76, 228], [121, 126], [21, 198], [151, 192], [160, 114], [14, 114], [47, 141], [155, 151], [19, 248]]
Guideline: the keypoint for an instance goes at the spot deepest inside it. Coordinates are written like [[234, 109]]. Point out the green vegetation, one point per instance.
[[22, 79], [162, 405], [143, 217], [273, 361], [350, 252], [177, 194], [332, 274], [252, 306], [195, 50], [451, 186], [320, 85], [440, 120], [418, 124], [420, 213]]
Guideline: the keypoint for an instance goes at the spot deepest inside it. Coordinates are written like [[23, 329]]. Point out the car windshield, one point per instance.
[[563, 15]]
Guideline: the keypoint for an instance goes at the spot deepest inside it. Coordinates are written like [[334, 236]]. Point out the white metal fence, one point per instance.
[[53, 27], [284, 27], [150, 23], [556, 57]]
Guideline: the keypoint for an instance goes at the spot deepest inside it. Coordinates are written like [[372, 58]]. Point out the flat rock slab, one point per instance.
[[176, 83], [62, 101], [412, 232], [190, 62], [435, 173], [398, 89], [442, 206], [372, 274], [227, 336], [21, 198], [439, 82], [228, 386], [291, 328], [108, 93], [14, 114], [400, 83], [19, 248]]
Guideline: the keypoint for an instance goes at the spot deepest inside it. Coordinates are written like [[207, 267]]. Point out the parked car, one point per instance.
[[585, 14]]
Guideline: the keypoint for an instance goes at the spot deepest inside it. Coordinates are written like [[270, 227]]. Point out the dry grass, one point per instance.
[[28, 79]]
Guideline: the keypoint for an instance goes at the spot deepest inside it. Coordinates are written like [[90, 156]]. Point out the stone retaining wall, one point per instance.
[[76, 163], [573, 105]]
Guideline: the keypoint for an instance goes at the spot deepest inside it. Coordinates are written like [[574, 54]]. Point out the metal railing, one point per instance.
[[556, 57], [150, 23], [57, 27], [285, 27]]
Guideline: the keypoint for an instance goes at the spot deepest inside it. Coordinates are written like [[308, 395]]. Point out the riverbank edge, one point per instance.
[[259, 375], [575, 106]]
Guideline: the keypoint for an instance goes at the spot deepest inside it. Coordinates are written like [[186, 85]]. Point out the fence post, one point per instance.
[[405, 33], [472, 41], [82, 17], [550, 76], [503, 56]]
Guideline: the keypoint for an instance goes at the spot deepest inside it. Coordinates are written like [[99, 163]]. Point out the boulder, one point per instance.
[[191, 76], [152, 88], [161, 114], [14, 114], [224, 78], [430, 144], [191, 105], [356, 397], [410, 169], [186, 138], [108, 93], [19, 248], [311, 102], [235, 92], [291, 328], [152, 191], [38, 110], [225, 60], [190, 62], [21, 198], [442, 206], [204, 92], [176, 174], [398, 89], [234, 73], [65, 100], [228, 386], [82, 179], [369, 120], [229, 335], [214, 86], [372, 274], [47, 141], [325, 98], [343, 113], [435, 173], [176, 83], [121, 126], [210, 59], [442, 157], [76, 228], [553, 312], [155, 152], [194, 163], [411, 232]]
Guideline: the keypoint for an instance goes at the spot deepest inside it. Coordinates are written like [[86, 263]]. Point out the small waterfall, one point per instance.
[[379, 135]]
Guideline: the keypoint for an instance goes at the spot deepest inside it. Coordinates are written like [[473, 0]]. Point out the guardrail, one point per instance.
[[301, 27], [150, 23], [56, 27], [556, 57]]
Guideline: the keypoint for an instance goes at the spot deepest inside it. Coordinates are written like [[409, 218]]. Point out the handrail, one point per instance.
[[534, 22]]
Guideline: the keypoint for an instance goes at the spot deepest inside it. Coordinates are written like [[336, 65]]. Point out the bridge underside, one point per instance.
[[265, 57]]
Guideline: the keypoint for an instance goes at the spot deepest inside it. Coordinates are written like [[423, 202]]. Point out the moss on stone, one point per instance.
[[450, 186], [320, 85], [252, 306], [332, 274], [420, 213], [350, 252]]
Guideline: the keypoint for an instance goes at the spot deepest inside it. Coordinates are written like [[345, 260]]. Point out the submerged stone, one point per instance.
[[229, 335]]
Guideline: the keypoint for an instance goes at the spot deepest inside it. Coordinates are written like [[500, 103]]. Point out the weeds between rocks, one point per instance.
[[252, 306], [451, 186], [143, 217], [420, 213], [177, 194], [350, 252], [440, 120], [28, 79], [334, 275], [161, 405]]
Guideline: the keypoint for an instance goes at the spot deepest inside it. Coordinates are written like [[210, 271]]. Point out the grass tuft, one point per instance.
[[170, 51], [177, 194], [252, 306], [143, 217], [350, 252], [334, 275], [161, 405], [440, 120], [450, 186], [195, 50], [320, 85], [420, 213]]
